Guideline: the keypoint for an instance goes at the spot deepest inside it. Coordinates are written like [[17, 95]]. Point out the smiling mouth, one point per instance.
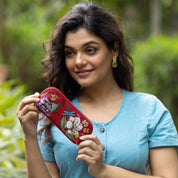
[[83, 73]]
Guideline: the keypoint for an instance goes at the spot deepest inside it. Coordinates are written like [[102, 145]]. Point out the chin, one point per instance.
[[86, 85]]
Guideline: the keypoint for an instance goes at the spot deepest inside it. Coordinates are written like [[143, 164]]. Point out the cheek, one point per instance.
[[69, 65], [104, 62]]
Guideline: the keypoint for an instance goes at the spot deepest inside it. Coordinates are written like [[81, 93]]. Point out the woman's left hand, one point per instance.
[[91, 151]]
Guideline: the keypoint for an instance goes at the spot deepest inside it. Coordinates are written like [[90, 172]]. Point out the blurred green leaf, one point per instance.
[[156, 69], [12, 156]]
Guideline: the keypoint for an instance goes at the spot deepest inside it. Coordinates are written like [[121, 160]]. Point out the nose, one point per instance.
[[80, 60]]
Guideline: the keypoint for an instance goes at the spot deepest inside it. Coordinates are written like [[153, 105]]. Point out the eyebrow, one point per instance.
[[86, 44]]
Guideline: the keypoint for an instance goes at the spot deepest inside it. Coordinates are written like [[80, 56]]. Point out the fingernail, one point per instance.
[[82, 137], [37, 99], [77, 158]]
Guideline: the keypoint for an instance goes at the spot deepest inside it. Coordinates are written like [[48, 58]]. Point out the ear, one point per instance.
[[116, 49]]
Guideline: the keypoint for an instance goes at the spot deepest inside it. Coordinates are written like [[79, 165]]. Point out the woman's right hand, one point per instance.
[[28, 115]]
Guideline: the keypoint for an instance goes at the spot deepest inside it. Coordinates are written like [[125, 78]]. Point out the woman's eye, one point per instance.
[[90, 50], [69, 53]]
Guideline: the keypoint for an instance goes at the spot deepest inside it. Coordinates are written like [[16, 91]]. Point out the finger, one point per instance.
[[89, 144], [28, 100], [31, 115], [91, 137], [102, 147], [86, 151], [26, 109], [29, 122], [88, 159], [91, 157]]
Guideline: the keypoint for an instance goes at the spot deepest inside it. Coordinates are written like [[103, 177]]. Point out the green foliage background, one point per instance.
[[25, 25], [12, 157], [156, 69]]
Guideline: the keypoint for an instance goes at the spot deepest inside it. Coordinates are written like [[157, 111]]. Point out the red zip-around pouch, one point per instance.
[[62, 113]]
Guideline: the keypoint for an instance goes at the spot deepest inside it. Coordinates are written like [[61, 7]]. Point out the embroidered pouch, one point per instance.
[[62, 113]]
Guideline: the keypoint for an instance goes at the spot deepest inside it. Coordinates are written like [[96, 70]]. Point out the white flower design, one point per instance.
[[73, 125]]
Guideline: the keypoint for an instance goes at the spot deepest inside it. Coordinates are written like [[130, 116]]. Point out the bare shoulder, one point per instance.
[[53, 169]]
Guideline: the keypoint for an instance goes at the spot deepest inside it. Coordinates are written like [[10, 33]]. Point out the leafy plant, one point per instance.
[[12, 156], [156, 69]]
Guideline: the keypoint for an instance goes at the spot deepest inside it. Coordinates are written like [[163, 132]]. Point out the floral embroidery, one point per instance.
[[53, 97], [45, 105], [85, 123], [85, 130], [73, 125], [64, 115]]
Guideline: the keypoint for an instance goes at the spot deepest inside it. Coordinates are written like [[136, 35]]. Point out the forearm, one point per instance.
[[113, 171], [35, 164]]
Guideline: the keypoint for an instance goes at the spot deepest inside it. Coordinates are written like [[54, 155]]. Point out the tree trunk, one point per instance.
[[1, 26], [4, 46], [155, 17], [3, 72]]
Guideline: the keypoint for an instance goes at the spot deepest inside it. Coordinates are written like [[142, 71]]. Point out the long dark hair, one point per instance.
[[99, 22]]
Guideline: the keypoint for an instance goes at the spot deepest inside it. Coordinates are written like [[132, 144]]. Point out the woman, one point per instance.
[[88, 61]]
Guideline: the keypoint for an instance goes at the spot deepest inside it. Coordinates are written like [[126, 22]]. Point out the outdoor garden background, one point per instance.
[[151, 33]]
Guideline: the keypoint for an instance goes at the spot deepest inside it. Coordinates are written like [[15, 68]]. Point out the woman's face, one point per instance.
[[87, 58]]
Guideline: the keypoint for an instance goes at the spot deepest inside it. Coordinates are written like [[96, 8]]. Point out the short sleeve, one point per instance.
[[162, 131], [45, 148]]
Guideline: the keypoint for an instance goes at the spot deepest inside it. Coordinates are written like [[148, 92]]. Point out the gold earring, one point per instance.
[[114, 62]]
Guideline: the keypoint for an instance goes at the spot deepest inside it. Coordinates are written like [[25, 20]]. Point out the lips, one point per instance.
[[83, 73]]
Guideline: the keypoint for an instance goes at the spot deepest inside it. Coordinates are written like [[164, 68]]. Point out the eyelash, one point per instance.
[[69, 53], [89, 51]]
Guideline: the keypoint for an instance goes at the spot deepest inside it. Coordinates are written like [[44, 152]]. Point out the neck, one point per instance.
[[101, 92]]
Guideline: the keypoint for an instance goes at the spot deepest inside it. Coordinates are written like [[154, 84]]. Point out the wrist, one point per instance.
[[30, 138], [103, 172]]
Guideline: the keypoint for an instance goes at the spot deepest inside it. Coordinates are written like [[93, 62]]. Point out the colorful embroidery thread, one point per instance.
[[64, 114]]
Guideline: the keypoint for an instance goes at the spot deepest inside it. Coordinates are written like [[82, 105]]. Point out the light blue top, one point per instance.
[[141, 123]]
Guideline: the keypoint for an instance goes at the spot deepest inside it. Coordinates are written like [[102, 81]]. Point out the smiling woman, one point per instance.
[[88, 59], [89, 62], [106, 30]]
